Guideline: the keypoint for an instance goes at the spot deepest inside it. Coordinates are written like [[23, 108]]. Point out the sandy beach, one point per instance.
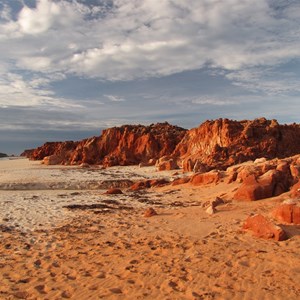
[[62, 237]]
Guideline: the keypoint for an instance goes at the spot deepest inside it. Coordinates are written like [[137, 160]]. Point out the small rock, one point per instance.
[[182, 180], [85, 165], [218, 201], [152, 162], [113, 191], [211, 210], [150, 212], [52, 160]]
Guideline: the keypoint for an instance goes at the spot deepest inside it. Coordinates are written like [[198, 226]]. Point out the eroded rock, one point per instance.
[[264, 228], [288, 212], [222, 143]]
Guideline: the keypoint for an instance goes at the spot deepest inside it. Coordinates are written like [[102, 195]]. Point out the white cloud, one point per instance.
[[114, 98], [267, 80], [134, 39], [40, 19], [141, 38], [212, 101], [17, 92], [36, 63]]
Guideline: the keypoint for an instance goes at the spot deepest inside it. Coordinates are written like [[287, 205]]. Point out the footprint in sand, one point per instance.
[[116, 291]]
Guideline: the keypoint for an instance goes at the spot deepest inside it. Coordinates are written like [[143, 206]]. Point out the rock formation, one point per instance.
[[214, 144], [125, 145], [258, 180], [62, 151], [221, 143], [128, 145], [266, 179]]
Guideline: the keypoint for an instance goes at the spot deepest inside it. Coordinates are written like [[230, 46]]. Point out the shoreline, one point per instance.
[[33, 194]]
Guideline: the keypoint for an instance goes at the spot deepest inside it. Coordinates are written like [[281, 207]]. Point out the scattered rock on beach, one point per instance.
[[263, 228], [51, 160], [218, 201], [140, 185], [210, 210], [205, 178], [166, 164], [288, 212], [150, 212], [182, 180], [146, 184], [158, 182], [114, 191]]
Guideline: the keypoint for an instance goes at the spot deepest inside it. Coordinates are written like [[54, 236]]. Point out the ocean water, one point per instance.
[[11, 157]]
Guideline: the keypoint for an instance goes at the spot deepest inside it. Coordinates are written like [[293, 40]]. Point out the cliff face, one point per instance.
[[214, 144], [63, 150], [222, 143], [125, 145], [135, 144]]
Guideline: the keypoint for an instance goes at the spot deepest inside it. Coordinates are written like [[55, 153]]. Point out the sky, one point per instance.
[[70, 68]]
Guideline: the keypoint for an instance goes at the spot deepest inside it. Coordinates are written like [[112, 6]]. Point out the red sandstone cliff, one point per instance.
[[63, 150], [222, 143], [214, 144], [125, 145]]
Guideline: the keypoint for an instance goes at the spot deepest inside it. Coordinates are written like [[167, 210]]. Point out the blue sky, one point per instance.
[[71, 68]]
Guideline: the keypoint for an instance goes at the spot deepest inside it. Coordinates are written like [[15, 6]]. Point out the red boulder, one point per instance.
[[150, 212], [288, 212], [263, 228], [205, 178], [114, 191]]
